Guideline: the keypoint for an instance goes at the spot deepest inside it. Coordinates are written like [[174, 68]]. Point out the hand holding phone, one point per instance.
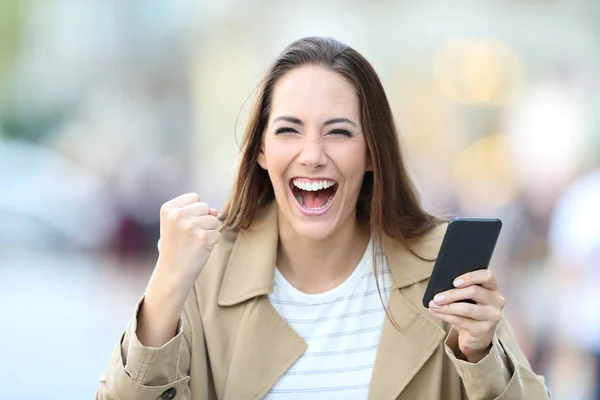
[[465, 253]]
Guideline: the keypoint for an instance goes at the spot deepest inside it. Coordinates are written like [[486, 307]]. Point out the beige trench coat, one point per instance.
[[232, 344]]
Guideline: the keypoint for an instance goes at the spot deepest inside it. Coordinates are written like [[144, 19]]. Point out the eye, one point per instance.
[[340, 132], [285, 130]]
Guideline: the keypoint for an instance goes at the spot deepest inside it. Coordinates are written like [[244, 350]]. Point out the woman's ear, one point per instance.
[[262, 159]]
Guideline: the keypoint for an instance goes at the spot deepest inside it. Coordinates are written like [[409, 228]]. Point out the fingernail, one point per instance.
[[433, 305], [439, 298], [458, 282]]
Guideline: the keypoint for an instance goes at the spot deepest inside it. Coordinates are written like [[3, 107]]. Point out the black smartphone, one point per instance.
[[467, 246]]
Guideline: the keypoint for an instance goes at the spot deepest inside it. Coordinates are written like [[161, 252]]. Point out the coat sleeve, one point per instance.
[[137, 372], [504, 374]]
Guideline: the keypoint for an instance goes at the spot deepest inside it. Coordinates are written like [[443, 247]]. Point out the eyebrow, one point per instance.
[[297, 121]]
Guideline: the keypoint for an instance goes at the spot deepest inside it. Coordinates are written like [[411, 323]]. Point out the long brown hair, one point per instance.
[[388, 202]]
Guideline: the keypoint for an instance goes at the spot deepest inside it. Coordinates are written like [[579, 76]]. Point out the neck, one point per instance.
[[318, 266]]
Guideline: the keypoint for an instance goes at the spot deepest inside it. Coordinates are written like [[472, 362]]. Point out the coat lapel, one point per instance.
[[403, 352], [266, 346]]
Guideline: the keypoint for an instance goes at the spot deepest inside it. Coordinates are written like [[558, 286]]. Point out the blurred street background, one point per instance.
[[110, 108]]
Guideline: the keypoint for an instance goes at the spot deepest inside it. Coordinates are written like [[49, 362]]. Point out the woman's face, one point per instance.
[[314, 150]]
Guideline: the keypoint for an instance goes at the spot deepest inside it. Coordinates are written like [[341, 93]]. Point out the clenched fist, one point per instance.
[[188, 233]]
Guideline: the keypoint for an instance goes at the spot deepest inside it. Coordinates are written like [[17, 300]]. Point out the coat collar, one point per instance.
[[251, 266], [263, 357]]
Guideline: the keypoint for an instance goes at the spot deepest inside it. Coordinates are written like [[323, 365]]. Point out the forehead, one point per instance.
[[315, 92]]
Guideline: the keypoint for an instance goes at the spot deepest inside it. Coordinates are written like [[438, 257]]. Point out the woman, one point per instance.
[[286, 304]]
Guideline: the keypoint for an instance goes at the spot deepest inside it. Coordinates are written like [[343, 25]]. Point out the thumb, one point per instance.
[[213, 212]]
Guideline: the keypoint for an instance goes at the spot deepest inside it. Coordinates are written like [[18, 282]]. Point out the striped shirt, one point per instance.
[[341, 327]]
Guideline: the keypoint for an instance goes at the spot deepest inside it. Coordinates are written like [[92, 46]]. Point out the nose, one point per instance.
[[312, 154]]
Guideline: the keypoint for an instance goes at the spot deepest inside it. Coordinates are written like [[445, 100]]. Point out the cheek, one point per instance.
[[278, 154], [351, 160]]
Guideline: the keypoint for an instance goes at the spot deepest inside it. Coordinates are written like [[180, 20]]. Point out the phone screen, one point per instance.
[[468, 245]]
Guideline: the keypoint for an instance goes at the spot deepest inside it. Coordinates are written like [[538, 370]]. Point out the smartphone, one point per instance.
[[467, 246]]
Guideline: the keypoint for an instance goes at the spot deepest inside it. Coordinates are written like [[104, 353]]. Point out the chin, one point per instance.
[[315, 231]]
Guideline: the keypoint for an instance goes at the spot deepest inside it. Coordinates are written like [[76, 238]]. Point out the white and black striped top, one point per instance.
[[342, 328]]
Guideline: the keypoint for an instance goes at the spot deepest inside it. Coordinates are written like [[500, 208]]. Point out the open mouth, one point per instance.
[[313, 194]]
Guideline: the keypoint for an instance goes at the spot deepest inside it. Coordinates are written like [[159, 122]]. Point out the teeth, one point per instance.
[[313, 186]]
